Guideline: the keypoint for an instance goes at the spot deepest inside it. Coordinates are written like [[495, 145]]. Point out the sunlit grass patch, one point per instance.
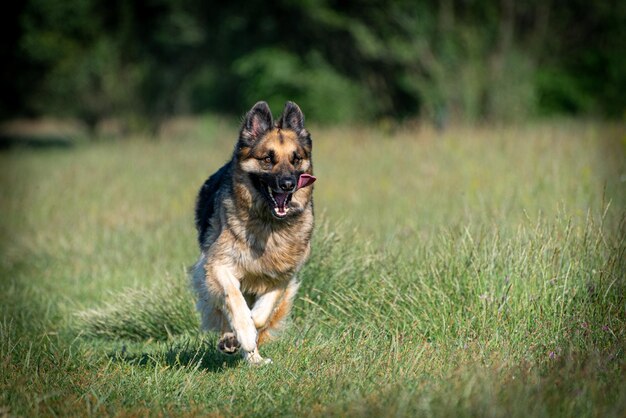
[[474, 272], [155, 313]]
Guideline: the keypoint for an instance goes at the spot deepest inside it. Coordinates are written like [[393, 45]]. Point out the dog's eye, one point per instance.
[[296, 161], [268, 160]]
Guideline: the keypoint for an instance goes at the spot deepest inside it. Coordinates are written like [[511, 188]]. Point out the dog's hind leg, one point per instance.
[[208, 303], [212, 319]]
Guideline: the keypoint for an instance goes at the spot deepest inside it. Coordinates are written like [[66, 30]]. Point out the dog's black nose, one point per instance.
[[287, 184]]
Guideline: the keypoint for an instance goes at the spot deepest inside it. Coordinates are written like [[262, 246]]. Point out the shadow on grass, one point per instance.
[[195, 355], [37, 142]]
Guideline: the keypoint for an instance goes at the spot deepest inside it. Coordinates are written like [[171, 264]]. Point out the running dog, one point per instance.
[[254, 218]]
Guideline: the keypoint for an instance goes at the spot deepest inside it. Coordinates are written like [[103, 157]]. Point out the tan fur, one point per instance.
[[245, 277], [280, 313]]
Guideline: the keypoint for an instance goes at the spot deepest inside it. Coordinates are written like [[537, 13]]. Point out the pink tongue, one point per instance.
[[305, 180]]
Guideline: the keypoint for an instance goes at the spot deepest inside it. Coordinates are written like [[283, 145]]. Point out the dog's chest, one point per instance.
[[266, 260]]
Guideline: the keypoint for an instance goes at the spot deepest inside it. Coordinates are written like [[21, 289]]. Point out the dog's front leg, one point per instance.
[[264, 306], [238, 314]]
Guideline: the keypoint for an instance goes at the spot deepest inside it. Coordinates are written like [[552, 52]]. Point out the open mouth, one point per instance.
[[280, 202]]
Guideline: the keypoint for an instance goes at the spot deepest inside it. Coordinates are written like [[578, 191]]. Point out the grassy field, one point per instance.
[[480, 272]]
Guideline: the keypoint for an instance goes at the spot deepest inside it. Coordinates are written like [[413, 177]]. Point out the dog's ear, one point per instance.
[[257, 122], [292, 118]]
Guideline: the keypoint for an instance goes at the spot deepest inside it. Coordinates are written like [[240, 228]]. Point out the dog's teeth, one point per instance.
[[281, 212], [269, 190]]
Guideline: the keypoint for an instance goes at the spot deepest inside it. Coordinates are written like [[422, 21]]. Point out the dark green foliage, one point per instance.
[[585, 59], [81, 64], [141, 62]]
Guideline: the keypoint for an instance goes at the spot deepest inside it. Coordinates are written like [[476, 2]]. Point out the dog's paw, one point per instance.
[[228, 344], [253, 358]]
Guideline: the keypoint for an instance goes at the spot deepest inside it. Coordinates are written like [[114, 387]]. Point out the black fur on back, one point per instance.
[[207, 199]]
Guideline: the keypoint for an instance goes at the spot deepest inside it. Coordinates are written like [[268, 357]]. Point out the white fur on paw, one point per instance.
[[255, 359]]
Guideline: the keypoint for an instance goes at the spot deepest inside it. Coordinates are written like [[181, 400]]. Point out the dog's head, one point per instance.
[[276, 157]]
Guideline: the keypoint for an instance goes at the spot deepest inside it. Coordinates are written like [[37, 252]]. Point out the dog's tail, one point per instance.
[[278, 317]]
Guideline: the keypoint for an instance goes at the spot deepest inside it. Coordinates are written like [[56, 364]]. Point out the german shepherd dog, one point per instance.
[[254, 218]]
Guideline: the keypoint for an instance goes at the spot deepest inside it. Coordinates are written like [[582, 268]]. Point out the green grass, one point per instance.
[[476, 273]]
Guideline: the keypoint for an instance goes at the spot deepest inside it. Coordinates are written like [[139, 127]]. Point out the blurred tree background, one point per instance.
[[141, 62]]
